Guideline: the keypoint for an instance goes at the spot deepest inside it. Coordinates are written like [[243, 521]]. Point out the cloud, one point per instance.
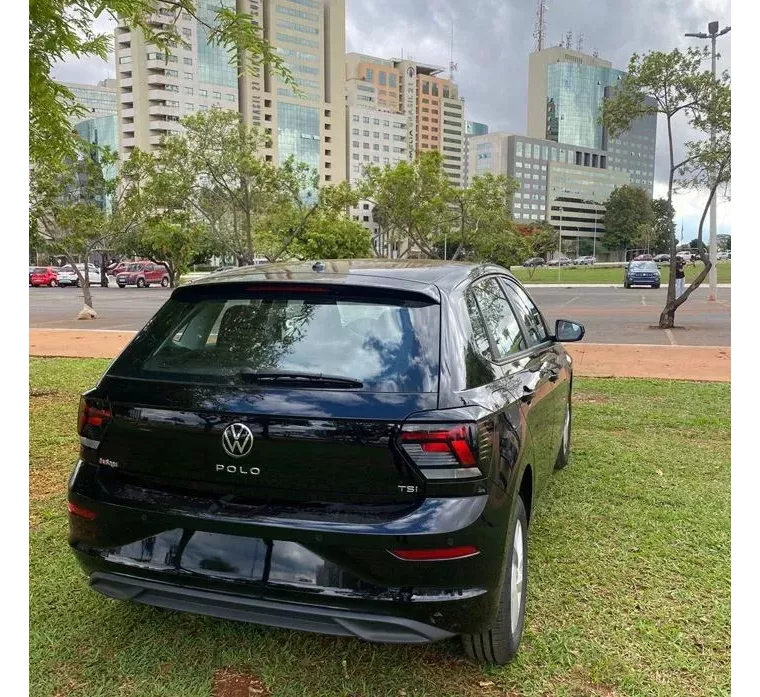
[[492, 40]]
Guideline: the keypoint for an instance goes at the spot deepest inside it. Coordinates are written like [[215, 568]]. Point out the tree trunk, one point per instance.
[[668, 315]]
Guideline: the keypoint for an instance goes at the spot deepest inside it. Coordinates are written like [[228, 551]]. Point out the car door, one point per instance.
[[528, 368], [550, 359]]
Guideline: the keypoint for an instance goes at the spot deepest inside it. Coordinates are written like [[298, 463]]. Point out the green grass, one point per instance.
[[629, 588], [606, 274]]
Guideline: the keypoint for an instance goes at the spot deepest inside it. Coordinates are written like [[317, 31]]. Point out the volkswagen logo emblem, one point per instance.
[[237, 440]]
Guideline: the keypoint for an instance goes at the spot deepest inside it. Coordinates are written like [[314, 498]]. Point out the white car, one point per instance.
[[68, 277]]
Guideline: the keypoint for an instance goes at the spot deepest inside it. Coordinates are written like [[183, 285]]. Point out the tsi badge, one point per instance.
[[237, 441]]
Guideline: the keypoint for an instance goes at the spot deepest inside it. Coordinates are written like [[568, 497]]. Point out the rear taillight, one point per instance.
[[80, 511], [92, 419], [443, 554], [442, 451]]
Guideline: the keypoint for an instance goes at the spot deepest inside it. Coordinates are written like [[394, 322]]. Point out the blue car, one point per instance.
[[642, 273]]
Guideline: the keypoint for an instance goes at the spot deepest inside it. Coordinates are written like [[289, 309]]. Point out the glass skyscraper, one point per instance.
[[574, 96]]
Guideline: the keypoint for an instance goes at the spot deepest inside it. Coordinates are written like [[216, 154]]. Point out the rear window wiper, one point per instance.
[[251, 375]]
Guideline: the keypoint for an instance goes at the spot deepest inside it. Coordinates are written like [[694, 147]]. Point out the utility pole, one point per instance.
[[713, 34]]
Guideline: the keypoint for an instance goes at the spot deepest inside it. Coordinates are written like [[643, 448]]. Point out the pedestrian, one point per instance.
[[680, 276]]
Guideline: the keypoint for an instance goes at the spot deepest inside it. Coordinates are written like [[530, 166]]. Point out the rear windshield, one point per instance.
[[388, 344]]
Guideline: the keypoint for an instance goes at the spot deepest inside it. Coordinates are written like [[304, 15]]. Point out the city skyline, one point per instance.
[[422, 30]]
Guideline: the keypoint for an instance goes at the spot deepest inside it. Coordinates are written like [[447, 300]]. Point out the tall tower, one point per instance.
[[539, 33]]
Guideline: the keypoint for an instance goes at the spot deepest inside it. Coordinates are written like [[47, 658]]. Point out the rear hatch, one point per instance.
[[286, 392]]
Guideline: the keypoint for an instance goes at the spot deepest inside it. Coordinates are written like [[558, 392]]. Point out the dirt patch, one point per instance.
[[230, 683], [37, 392], [590, 398], [44, 482]]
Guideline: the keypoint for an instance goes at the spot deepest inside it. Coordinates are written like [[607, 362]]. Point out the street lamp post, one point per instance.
[[713, 34], [559, 261]]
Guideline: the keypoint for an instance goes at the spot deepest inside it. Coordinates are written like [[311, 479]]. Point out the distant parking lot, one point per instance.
[[611, 315]]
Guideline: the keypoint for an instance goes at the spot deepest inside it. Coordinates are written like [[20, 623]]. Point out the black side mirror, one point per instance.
[[565, 331]]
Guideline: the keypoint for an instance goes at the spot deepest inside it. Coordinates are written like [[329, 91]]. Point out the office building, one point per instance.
[[552, 176], [426, 102], [156, 91], [471, 128], [98, 100], [566, 89]]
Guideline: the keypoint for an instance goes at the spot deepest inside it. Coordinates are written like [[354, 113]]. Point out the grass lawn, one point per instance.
[[607, 274], [629, 589]]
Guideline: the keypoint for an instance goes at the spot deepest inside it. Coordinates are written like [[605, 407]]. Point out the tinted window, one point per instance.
[[479, 332], [389, 345], [528, 312], [498, 317]]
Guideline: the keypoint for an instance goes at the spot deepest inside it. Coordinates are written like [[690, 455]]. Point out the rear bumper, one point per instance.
[[272, 613], [298, 570]]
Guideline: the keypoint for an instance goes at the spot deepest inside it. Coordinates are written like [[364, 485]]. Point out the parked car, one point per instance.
[[643, 257], [121, 267], [662, 258], [534, 261], [642, 273], [584, 261], [142, 274], [343, 452], [560, 261], [44, 276], [68, 277]]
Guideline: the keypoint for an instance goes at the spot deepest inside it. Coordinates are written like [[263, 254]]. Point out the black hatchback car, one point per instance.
[[349, 447]]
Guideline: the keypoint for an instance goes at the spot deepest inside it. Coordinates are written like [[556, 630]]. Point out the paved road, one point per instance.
[[610, 315]]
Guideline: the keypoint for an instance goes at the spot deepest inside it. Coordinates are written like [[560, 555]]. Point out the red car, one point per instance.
[[44, 276], [142, 274], [643, 257]]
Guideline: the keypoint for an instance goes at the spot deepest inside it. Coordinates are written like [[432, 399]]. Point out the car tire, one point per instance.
[[141, 283], [122, 285], [53, 283], [499, 643], [563, 456], [656, 287], [165, 282]]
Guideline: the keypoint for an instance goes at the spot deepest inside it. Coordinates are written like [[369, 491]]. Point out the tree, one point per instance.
[[75, 209], [412, 200], [628, 213], [62, 28], [675, 86], [664, 226], [332, 237], [724, 243], [541, 240], [482, 222]]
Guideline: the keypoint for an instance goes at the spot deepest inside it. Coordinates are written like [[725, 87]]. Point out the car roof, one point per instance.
[[426, 276]]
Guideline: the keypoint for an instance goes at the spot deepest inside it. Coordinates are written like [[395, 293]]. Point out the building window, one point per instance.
[[376, 146], [369, 75], [354, 143], [365, 119], [355, 118], [230, 97], [188, 90], [189, 106], [425, 87], [365, 134], [298, 133], [355, 156], [187, 61], [365, 146], [125, 59], [375, 134], [386, 148], [434, 89], [381, 77], [519, 148], [203, 93], [392, 80]]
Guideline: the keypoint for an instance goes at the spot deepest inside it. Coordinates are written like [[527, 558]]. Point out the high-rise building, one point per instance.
[[430, 105], [566, 89], [156, 91], [564, 185], [471, 128], [98, 100]]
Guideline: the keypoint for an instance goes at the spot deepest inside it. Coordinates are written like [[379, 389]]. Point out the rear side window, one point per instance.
[[498, 317], [388, 344], [528, 313]]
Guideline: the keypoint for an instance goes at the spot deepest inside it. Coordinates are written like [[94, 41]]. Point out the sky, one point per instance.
[[492, 40]]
